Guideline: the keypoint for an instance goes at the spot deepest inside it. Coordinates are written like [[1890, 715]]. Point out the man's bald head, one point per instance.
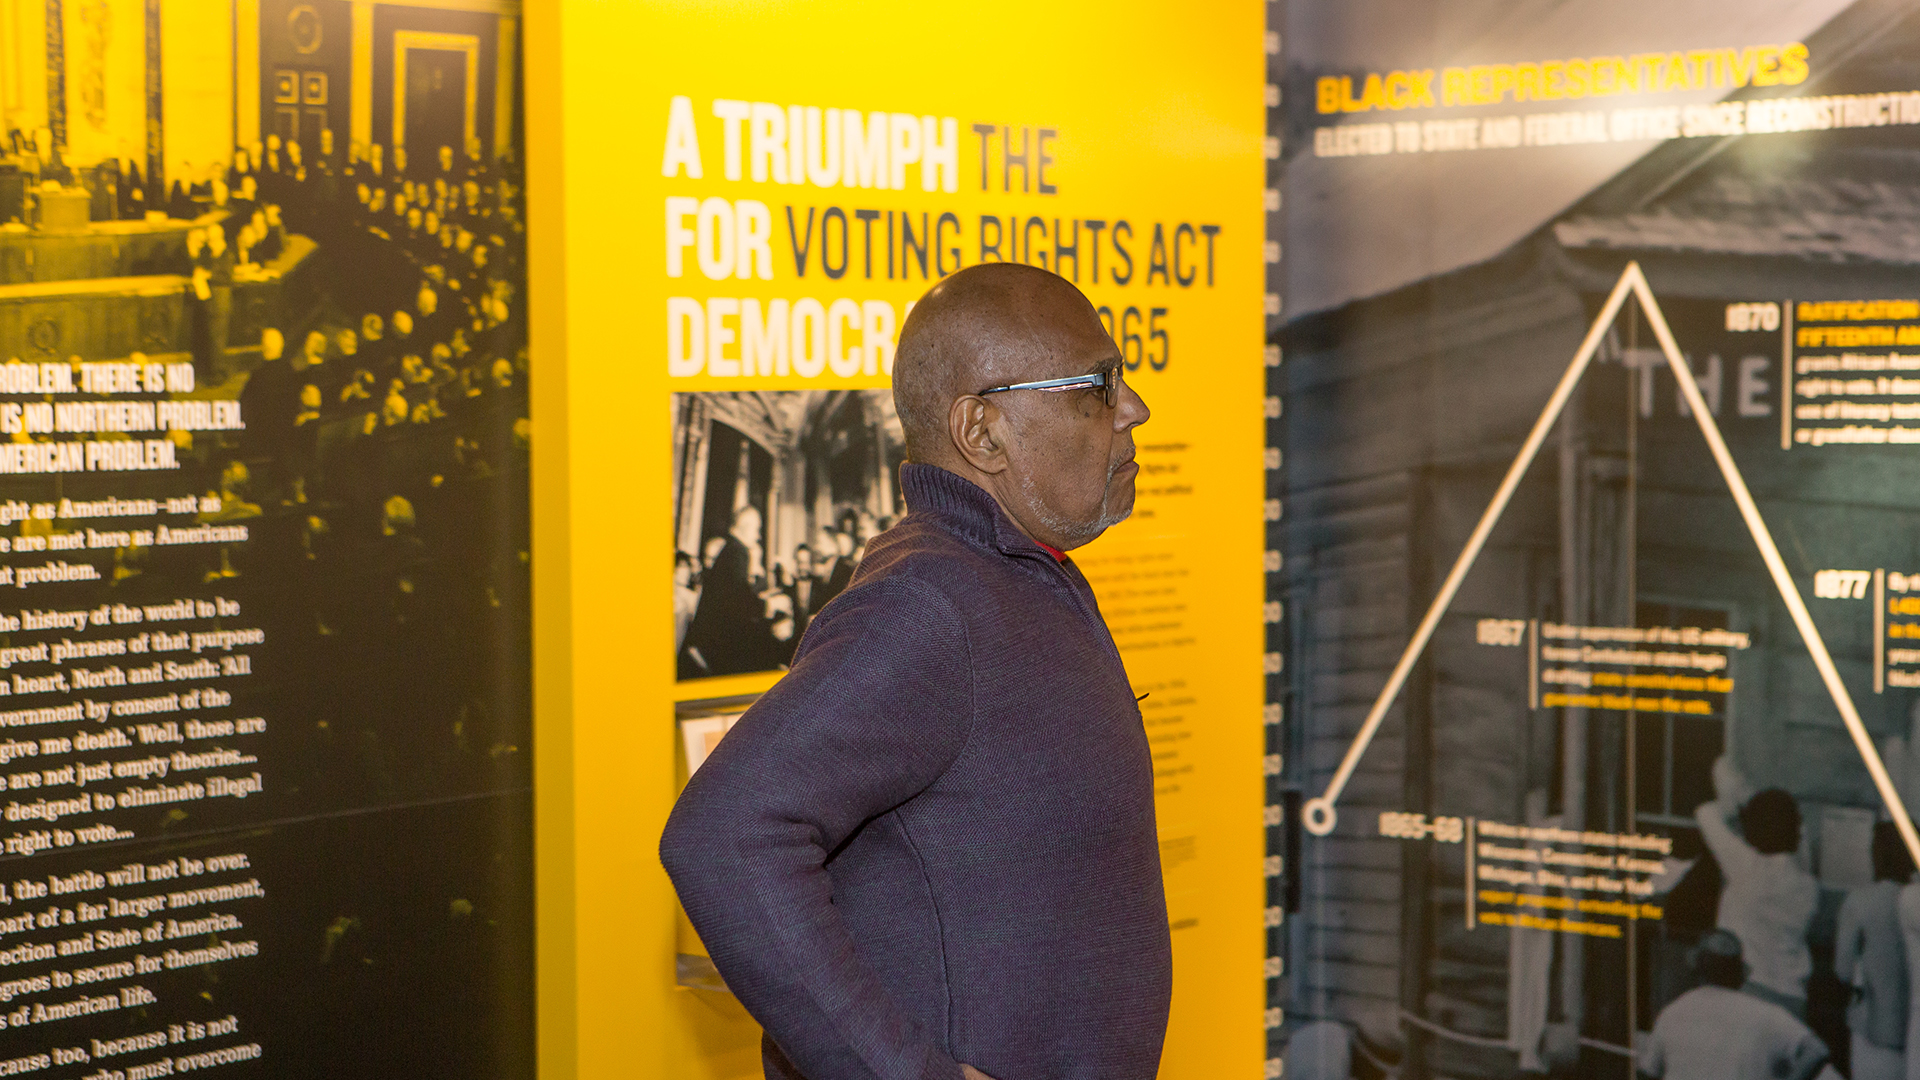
[[986, 325]]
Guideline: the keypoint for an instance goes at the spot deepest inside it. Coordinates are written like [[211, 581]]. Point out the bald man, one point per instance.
[[929, 851]]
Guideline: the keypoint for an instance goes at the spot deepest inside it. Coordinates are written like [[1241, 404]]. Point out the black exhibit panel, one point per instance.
[[265, 649], [1599, 553]]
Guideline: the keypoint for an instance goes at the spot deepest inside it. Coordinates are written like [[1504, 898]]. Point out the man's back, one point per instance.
[[959, 734], [1768, 902], [1715, 1033]]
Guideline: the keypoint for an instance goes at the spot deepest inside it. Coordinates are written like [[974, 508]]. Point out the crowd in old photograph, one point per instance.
[[737, 608], [390, 435], [1785, 986], [382, 466]]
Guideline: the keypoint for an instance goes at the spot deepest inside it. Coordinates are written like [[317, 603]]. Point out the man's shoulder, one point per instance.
[[1878, 898], [915, 570], [1721, 1005], [1700, 997], [1907, 905], [1794, 878], [922, 549], [908, 586], [1710, 996], [891, 618]]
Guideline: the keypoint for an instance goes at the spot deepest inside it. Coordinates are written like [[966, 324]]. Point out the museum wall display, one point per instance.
[[266, 718], [790, 181], [1599, 718]]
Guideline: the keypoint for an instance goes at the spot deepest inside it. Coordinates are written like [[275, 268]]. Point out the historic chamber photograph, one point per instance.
[[310, 215]]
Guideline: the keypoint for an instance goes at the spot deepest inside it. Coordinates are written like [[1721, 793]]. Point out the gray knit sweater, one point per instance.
[[933, 841]]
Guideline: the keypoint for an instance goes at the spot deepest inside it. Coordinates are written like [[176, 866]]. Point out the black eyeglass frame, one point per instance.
[[1108, 378]]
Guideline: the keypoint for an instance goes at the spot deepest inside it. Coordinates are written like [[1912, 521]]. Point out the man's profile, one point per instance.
[[929, 851]]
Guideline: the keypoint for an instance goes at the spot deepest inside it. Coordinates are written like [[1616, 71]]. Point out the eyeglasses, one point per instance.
[[1107, 379]]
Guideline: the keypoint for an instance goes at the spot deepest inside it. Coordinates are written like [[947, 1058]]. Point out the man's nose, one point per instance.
[[1132, 410]]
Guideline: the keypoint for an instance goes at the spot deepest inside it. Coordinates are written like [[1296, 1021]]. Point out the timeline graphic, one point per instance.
[[1319, 815]]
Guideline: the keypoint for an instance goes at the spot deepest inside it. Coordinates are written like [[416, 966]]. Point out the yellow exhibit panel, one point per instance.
[[748, 201]]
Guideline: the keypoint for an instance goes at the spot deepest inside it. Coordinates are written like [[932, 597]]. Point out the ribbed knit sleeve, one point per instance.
[[878, 705]]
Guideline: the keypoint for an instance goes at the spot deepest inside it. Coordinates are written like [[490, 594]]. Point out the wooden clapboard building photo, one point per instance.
[[1403, 412]]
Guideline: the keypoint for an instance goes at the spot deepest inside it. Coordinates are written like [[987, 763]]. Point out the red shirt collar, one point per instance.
[[1058, 555]]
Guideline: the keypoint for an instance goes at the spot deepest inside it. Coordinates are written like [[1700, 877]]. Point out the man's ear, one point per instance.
[[970, 422]]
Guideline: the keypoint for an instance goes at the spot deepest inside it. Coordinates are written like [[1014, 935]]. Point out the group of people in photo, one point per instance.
[[735, 610], [1750, 1015], [381, 468], [389, 433], [419, 325]]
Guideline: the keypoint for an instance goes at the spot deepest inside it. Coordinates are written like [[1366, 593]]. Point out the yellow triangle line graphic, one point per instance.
[[1318, 814]]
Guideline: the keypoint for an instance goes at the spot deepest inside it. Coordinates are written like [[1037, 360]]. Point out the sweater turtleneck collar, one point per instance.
[[968, 509]]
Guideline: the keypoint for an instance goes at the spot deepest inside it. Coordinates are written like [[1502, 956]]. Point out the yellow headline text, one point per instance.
[[1565, 80]]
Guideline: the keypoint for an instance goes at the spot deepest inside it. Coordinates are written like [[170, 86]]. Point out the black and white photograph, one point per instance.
[[263, 329], [776, 494], [1764, 925]]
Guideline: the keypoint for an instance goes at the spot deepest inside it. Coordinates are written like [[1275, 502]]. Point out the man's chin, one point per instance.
[[1116, 507], [1119, 505]]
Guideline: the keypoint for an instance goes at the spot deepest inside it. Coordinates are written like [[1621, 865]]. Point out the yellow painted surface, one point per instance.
[[1157, 117]]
